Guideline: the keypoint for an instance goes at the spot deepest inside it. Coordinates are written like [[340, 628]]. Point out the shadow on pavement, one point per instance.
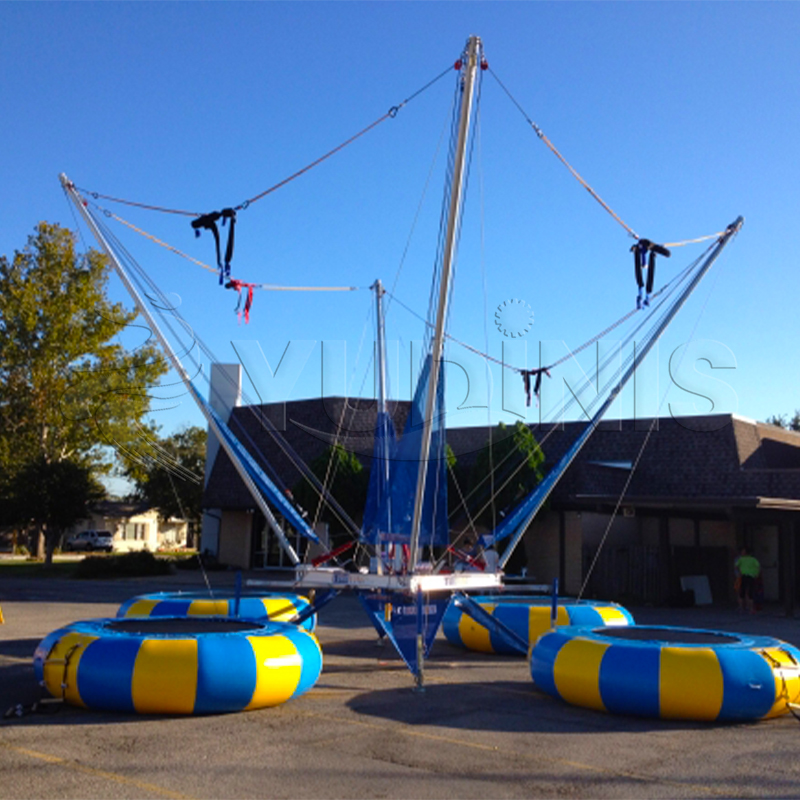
[[502, 707]]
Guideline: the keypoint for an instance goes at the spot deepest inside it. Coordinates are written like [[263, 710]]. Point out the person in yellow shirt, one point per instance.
[[747, 570]]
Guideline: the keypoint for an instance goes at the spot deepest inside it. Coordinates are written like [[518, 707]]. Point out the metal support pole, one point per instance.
[[69, 187], [551, 479], [419, 683], [381, 365], [456, 192]]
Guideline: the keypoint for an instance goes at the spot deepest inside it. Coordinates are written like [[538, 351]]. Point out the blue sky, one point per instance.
[[681, 115]]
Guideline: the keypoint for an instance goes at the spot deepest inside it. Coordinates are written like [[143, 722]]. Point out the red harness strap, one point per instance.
[[248, 303]]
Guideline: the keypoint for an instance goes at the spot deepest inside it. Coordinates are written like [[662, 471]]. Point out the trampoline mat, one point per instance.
[[148, 625], [666, 635]]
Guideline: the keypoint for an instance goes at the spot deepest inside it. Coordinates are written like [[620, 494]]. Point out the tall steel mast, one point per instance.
[[470, 69], [380, 359]]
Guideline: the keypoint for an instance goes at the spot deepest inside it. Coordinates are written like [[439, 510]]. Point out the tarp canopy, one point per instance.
[[395, 467]]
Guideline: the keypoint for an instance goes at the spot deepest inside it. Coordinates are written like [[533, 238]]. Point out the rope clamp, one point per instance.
[[393, 111]]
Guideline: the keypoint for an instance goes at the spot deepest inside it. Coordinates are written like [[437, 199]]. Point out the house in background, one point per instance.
[[134, 526], [701, 488]]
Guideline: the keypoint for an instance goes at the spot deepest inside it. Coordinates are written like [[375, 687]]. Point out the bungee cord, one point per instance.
[[390, 114], [167, 312], [243, 306], [541, 134], [588, 343]]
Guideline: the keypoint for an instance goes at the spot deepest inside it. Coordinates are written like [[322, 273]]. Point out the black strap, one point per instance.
[[641, 260], [651, 271], [229, 214], [537, 385], [208, 222], [526, 379]]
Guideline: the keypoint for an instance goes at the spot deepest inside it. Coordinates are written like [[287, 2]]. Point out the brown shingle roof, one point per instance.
[[717, 458], [309, 426]]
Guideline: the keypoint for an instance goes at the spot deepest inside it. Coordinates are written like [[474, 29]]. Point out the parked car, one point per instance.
[[90, 540]]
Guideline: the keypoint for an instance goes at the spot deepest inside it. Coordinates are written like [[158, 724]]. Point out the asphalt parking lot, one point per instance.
[[480, 730]]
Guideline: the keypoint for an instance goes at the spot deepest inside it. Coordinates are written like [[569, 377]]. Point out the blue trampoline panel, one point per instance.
[[748, 684], [311, 659], [249, 607], [630, 680], [226, 674], [105, 673], [514, 617], [543, 658], [171, 608], [584, 615], [450, 622]]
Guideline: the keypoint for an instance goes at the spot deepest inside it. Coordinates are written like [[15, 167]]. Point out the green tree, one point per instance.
[[68, 390], [53, 496], [347, 481], [168, 474], [782, 421], [515, 460]]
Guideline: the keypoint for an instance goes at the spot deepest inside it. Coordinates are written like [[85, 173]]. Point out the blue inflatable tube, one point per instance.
[[178, 665], [261, 606], [528, 617], [672, 673]]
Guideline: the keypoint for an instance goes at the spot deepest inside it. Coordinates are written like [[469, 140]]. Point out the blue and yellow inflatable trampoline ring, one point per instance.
[[672, 673], [528, 617], [178, 665], [261, 606]]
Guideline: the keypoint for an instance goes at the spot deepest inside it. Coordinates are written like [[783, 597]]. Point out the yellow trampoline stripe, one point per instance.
[[278, 668], [281, 609], [473, 635], [611, 615], [165, 676], [539, 621], [691, 683], [141, 608], [72, 647], [787, 680], [208, 608], [577, 672]]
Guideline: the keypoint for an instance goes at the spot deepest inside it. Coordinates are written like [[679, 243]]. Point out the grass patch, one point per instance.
[[126, 565], [16, 568]]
